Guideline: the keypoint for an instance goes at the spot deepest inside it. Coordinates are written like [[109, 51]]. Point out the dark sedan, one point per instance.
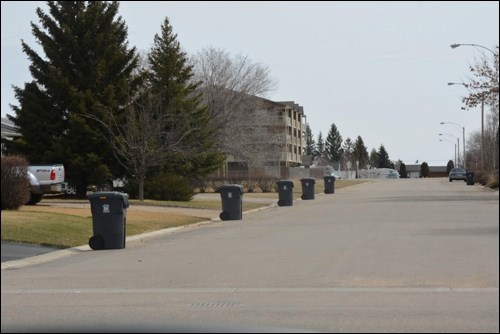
[[457, 173]]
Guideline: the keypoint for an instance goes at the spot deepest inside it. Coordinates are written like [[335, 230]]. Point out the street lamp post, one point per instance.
[[454, 46], [458, 145], [449, 141], [482, 116], [463, 141]]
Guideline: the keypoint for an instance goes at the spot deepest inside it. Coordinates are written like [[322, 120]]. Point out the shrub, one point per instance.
[[168, 187], [15, 182], [493, 180], [481, 177]]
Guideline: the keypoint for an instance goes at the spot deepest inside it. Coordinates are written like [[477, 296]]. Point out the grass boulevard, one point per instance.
[[67, 223]]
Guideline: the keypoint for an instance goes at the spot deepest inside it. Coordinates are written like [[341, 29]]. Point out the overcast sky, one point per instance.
[[378, 70]]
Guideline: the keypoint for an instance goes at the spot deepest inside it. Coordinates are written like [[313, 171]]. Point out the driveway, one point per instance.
[[15, 251]]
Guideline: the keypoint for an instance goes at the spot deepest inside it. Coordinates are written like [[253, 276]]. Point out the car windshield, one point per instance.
[[458, 170]]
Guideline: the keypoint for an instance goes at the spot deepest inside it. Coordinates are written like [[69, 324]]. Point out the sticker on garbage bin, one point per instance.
[[105, 208], [284, 187], [229, 195]]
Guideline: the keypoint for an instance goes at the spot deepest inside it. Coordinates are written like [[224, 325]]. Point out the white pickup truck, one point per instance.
[[46, 179]]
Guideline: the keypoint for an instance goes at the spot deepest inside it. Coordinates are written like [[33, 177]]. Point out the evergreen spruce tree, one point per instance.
[[310, 143], [360, 152], [333, 144], [373, 160], [402, 170], [320, 147], [84, 73], [188, 132], [383, 158]]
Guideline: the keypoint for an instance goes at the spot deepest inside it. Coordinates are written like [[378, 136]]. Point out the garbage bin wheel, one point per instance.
[[280, 203], [224, 215], [96, 242], [303, 197]]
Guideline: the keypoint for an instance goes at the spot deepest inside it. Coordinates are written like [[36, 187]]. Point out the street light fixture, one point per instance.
[[482, 117], [463, 140], [449, 141], [456, 45], [458, 145]]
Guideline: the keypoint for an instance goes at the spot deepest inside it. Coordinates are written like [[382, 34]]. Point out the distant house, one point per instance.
[[9, 131]]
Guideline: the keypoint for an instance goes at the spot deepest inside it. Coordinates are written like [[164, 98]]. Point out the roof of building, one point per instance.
[[9, 130]]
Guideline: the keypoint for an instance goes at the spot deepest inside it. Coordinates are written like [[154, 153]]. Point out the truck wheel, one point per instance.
[[71, 190], [35, 198]]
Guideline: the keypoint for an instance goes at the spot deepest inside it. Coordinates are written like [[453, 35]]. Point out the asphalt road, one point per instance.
[[408, 255]]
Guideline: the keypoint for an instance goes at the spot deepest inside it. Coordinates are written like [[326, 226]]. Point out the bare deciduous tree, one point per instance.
[[483, 85], [229, 85], [144, 135], [483, 90]]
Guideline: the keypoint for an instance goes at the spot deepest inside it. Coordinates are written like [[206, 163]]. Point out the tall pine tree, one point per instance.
[[360, 152], [188, 133], [310, 143], [320, 147], [333, 144], [85, 71], [383, 158]]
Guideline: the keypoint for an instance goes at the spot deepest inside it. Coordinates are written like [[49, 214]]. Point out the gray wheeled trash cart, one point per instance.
[[109, 211], [232, 202], [308, 187], [329, 184], [285, 190], [469, 178]]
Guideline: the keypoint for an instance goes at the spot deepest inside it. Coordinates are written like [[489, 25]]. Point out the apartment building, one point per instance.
[[271, 134], [295, 139]]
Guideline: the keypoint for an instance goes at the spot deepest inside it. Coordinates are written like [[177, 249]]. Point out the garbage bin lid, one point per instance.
[[110, 194], [233, 187], [310, 179]]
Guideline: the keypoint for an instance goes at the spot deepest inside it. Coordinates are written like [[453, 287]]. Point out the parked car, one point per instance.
[[393, 174], [457, 173]]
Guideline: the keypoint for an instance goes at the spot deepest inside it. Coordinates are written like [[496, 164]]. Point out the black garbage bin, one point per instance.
[[469, 178], [232, 202], [109, 213], [285, 190], [329, 184], [308, 187]]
